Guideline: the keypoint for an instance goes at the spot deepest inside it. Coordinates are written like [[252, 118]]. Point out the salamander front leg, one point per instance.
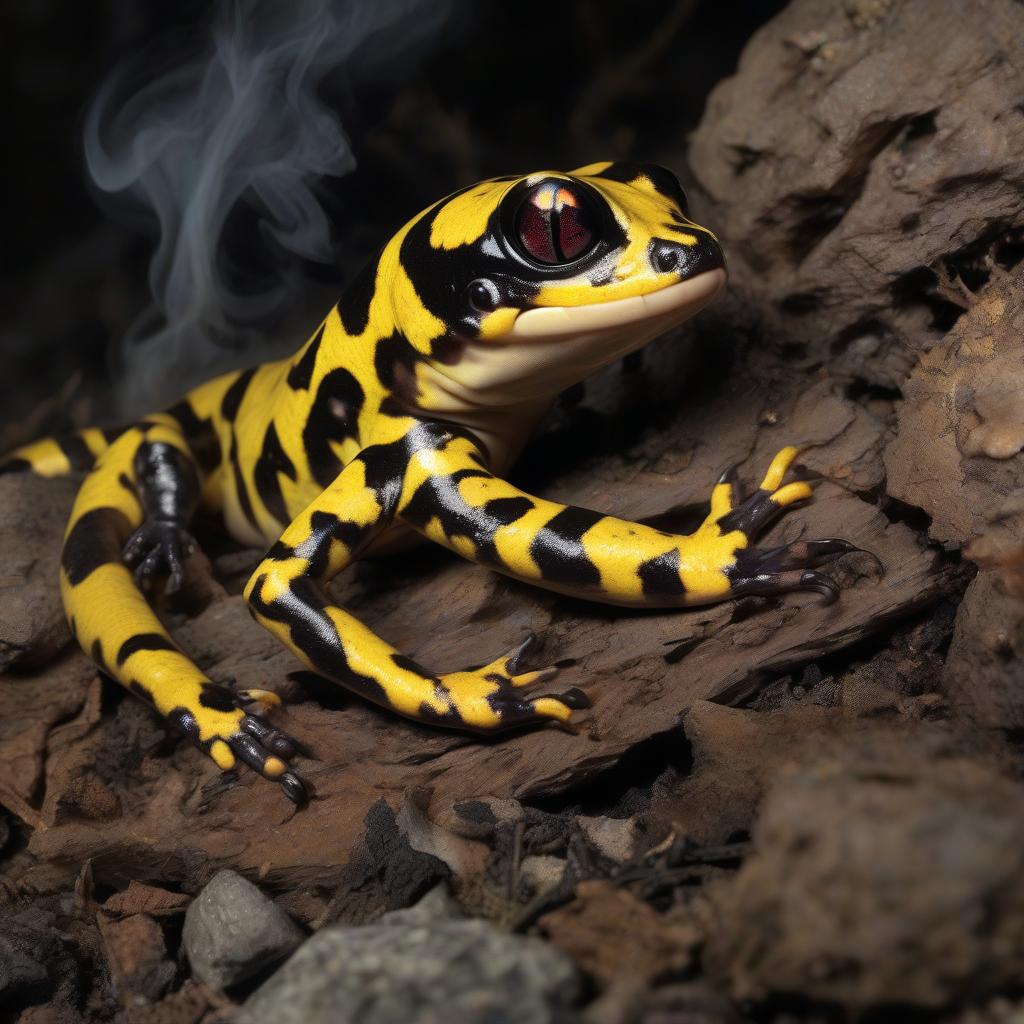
[[287, 595], [777, 570]]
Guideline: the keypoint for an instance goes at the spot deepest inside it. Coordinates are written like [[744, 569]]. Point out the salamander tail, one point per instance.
[[59, 456]]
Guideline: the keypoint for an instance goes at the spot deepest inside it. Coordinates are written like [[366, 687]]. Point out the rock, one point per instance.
[[232, 931], [136, 956], [615, 838], [955, 454], [437, 905], [890, 873], [465, 971], [652, 944], [984, 670], [542, 872], [140, 898], [33, 511], [848, 154]]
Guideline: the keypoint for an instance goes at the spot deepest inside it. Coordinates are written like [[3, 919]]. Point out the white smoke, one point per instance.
[[241, 123]]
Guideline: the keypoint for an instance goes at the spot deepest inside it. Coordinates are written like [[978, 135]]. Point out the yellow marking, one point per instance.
[[590, 170], [721, 500], [221, 753], [45, 457], [273, 767], [498, 323], [799, 491], [265, 699], [462, 220], [779, 465], [94, 440], [551, 708]]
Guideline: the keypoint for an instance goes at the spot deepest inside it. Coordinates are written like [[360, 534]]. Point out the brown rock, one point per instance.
[[955, 453], [847, 154], [890, 873], [984, 671], [651, 945], [33, 511], [136, 955]]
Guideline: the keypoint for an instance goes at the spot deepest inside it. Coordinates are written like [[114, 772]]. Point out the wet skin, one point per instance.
[[400, 416]]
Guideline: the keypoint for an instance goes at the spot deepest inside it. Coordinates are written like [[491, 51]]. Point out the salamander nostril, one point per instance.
[[687, 260]]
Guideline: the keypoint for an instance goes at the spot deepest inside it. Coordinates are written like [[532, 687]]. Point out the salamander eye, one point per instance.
[[555, 224]]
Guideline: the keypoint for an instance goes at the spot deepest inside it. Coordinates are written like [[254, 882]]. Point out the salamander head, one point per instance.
[[517, 287]]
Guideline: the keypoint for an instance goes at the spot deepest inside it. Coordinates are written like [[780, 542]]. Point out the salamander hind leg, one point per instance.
[[768, 571]]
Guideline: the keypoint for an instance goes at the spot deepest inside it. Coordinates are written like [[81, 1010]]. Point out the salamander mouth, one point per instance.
[[677, 301]]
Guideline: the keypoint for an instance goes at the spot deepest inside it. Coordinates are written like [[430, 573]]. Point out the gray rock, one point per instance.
[[434, 973], [437, 905], [232, 931]]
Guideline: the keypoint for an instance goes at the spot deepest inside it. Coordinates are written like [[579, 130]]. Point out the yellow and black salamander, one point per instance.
[[400, 416]]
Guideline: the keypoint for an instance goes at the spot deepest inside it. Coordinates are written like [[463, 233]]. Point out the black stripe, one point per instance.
[[300, 376], [199, 433], [333, 417], [302, 609], [143, 642], [508, 510], [558, 550], [273, 459], [232, 400], [354, 305], [77, 451], [242, 491], [660, 575], [94, 540], [18, 465]]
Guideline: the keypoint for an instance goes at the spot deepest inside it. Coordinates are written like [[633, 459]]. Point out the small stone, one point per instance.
[[232, 931], [614, 837], [437, 905], [542, 871], [465, 971], [137, 956]]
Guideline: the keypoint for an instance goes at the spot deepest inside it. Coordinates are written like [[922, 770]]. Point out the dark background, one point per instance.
[[500, 88]]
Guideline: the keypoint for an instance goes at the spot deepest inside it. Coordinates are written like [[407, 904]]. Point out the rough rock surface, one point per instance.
[[232, 931], [859, 144], [32, 624], [885, 874], [463, 971], [957, 452]]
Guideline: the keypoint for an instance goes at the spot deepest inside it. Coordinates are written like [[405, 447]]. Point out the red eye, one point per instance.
[[554, 224]]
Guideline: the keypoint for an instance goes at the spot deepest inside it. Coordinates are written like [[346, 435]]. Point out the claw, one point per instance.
[[261, 700], [770, 584], [295, 788], [515, 658], [824, 585], [158, 548], [574, 698]]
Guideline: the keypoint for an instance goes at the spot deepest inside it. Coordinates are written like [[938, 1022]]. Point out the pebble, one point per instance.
[[232, 931]]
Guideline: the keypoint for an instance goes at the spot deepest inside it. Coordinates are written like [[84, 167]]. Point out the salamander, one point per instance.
[[398, 419]]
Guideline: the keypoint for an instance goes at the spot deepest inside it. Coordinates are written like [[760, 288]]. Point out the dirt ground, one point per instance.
[[774, 810]]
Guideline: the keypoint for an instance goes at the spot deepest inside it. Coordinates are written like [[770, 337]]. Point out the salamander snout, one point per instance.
[[687, 260]]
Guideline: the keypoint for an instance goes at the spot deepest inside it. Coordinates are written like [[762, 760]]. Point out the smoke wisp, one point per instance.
[[239, 126]]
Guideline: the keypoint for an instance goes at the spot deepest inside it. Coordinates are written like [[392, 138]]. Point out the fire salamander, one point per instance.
[[399, 417]]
